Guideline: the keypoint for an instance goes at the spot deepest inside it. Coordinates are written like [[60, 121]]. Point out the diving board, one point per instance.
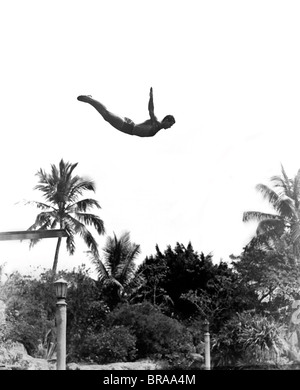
[[32, 234]]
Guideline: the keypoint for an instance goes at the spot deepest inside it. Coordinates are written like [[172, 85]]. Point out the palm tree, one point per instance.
[[285, 221], [63, 208], [116, 271]]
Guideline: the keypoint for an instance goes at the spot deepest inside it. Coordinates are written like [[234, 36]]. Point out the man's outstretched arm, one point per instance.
[[151, 108]]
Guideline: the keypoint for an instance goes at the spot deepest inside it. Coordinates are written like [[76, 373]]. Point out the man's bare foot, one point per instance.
[[84, 98]]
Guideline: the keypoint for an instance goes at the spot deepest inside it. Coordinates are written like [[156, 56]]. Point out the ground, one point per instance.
[[139, 365]]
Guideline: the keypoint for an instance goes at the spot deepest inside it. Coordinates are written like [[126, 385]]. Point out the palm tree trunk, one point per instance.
[[54, 268]]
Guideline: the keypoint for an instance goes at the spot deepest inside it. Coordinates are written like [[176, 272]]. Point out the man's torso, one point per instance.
[[146, 129]]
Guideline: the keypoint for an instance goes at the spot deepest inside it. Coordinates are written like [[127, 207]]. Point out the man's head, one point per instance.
[[168, 121]]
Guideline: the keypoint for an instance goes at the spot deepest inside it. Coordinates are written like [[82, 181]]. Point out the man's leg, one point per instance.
[[111, 118]]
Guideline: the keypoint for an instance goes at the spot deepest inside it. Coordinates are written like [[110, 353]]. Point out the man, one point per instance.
[[145, 129]]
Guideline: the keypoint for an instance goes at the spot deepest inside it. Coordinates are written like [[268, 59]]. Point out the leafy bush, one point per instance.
[[30, 309], [27, 315], [108, 346], [156, 334], [247, 339]]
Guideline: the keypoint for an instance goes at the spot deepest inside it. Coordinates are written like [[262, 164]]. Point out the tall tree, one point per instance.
[[284, 222], [116, 271], [167, 276], [64, 209], [151, 274], [272, 274]]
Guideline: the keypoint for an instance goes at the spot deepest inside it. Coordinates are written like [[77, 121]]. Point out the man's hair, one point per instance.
[[169, 118]]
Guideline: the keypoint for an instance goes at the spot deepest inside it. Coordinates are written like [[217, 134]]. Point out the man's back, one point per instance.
[[146, 129]]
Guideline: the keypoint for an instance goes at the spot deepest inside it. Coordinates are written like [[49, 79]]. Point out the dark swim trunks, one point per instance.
[[128, 126]]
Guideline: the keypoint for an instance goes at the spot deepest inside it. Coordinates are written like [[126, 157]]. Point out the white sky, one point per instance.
[[227, 70]]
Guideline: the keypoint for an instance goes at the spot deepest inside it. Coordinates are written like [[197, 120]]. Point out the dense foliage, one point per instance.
[[162, 315], [188, 285], [156, 334], [158, 309], [248, 339]]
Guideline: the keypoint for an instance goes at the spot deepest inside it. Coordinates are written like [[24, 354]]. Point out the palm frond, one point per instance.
[[270, 195], [112, 253], [287, 181], [279, 182], [92, 220], [55, 173], [119, 255], [286, 202], [83, 205], [57, 185], [283, 186], [268, 236], [39, 205], [70, 242], [43, 219], [297, 190], [100, 268], [54, 224], [295, 233], [128, 266], [274, 227], [258, 216], [285, 206], [66, 169], [79, 186], [47, 184], [79, 228], [103, 275], [44, 226], [43, 177], [33, 243]]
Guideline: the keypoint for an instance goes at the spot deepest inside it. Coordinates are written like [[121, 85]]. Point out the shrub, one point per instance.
[[156, 334], [108, 346], [247, 339], [30, 309]]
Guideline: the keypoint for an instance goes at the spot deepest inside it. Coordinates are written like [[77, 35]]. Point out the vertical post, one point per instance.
[[61, 324], [207, 345]]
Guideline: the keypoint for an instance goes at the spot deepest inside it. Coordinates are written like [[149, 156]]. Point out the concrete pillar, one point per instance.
[[61, 326], [207, 345]]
